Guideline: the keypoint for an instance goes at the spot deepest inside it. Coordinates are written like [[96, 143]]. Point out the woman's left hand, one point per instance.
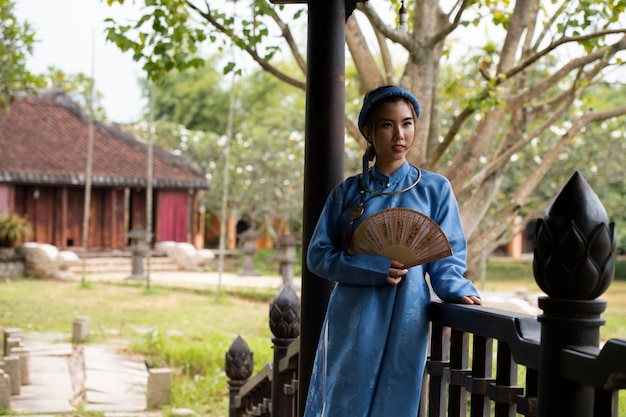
[[396, 273], [471, 299]]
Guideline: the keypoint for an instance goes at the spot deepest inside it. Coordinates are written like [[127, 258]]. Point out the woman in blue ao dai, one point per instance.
[[372, 350]]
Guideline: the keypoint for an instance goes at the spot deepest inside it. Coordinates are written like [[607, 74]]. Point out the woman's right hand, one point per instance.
[[396, 273]]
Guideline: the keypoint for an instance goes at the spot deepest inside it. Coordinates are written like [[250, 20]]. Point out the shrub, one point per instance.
[[13, 230]]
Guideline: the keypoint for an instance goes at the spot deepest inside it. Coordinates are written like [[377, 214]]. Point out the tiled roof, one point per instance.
[[44, 140]]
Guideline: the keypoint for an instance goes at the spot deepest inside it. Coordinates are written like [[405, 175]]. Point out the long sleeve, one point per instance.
[[326, 256], [447, 274]]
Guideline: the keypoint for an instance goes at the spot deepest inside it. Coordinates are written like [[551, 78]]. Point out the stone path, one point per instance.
[[93, 377]]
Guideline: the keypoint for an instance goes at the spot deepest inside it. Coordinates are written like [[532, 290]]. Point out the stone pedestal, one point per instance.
[[159, 387], [12, 343], [11, 367], [5, 390], [12, 333], [249, 248], [80, 329], [138, 248], [24, 356]]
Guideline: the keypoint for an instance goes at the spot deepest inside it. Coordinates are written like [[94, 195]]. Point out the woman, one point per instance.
[[372, 350]]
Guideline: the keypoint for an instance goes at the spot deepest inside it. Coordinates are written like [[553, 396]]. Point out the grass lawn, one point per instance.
[[190, 330]]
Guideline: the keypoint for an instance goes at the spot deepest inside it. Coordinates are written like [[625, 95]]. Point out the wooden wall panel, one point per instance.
[[56, 215], [75, 204], [5, 198]]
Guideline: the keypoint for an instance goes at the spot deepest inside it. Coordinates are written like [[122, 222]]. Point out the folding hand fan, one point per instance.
[[401, 234]]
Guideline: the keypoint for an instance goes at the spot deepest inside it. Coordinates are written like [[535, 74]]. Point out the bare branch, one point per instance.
[[448, 29], [208, 16], [393, 35], [367, 69], [552, 155], [293, 46], [457, 123], [386, 57], [550, 22], [558, 75], [504, 157], [564, 40]]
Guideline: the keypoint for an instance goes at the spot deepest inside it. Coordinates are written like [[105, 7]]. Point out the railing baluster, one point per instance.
[[527, 405], [477, 384], [435, 367], [455, 374], [606, 403], [505, 391]]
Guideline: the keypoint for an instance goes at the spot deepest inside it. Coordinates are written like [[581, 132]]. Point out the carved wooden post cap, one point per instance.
[[239, 360], [574, 255], [285, 313]]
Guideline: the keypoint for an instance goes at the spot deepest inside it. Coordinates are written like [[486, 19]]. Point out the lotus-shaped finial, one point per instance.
[[575, 245]]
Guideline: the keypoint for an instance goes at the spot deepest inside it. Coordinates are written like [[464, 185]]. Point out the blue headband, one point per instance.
[[381, 94]]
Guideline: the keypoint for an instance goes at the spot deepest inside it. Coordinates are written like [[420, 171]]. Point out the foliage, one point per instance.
[[499, 111], [620, 270], [267, 264], [198, 365], [510, 270], [80, 88], [265, 152], [164, 42], [13, 230], [17, 42]]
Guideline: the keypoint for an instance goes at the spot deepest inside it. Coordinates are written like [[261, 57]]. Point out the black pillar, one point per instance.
[[323, 164], [566, 323]]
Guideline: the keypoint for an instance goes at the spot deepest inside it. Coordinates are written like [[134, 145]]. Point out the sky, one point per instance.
[[71, 37]]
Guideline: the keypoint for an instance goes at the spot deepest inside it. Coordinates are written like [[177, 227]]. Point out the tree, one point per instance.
[[521, 95], [79, 87], [16, 43], [18, 39], [267, 146]]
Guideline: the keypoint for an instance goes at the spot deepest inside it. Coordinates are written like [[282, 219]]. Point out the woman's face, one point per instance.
[[391, 131]]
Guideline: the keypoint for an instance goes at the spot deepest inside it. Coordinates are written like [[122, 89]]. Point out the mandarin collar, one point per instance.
[[395, 177]]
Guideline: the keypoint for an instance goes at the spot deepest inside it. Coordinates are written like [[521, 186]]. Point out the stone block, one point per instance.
[[9, 334], [11, 366], [24, 355], [12, 343], [5, 390], [80, 329], [159, 387]]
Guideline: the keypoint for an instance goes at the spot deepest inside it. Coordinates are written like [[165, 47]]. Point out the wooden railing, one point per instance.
[[550, 365], [274, 389], [465, 341]]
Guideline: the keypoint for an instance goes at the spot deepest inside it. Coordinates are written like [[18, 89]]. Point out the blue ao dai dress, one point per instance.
[[373, 344]]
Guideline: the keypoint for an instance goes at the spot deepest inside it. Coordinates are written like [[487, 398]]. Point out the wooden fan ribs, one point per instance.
[[402, 234]]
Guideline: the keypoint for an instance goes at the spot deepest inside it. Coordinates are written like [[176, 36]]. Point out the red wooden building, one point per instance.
[[43, 164]]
